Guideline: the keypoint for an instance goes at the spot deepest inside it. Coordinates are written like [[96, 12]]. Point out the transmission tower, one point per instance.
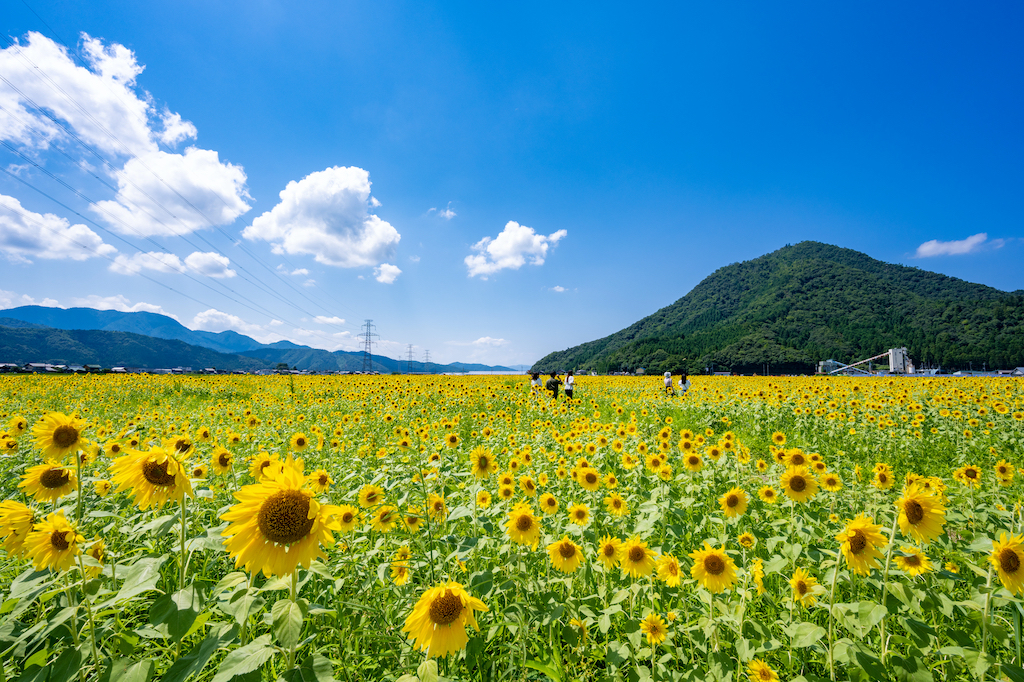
[[408, 363], [426, 360], [368, 336]]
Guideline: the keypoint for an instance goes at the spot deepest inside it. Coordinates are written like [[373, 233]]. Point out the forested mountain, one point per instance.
[[810, 302]]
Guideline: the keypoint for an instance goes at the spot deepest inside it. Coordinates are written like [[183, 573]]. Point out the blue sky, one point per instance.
[[491, 183]]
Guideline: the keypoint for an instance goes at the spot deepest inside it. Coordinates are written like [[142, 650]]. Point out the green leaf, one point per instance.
[[618, 653], [241, 604], [1013, 672], [316, 668], [141, 577], [806, 634], [913, 668], [287, 618], [246, 659], [66, 666], [546, 668], [140, 671], [196, 660], [427, 670], [177, 611]]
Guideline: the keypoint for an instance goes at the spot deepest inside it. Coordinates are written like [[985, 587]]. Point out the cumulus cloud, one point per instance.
[[447, 213], [491, 342], [175, 130], [118, 302], [25, 235], [150, 260], [972, 244], [386, 273], [511, 249], [10, 299], [414, 259], [558, 289], [327, 215], [323, 319], [214, 320], [175, 194], [210, 264]]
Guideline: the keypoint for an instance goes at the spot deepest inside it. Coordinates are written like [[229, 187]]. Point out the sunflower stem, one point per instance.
[[78, 497], [984, 617], [831, 623], [885, 585], [294, 595], [181, 564], [88, 611]]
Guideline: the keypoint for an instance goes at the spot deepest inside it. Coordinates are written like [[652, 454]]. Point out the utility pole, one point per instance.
[[368, 336], [408, 363], [426, 360]]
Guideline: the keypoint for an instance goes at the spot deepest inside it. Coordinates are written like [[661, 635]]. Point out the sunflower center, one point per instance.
[[300, 442], [182, 444], [283, 517], [971, 473], [858, 542], [798, 484], [801, 587], [637, 554], [914, 511], [765, 674], [65, 436], [912, 560], [732, 500], [609, 550], [58, 539], [1009, 561], [550, 502], [323, 479], [157, 473], [482, 463], [446, 608], [524, 523], [54, 478], [693, 461], [224, 459], [567, 550], [714, 564], [591, 478], [797, 460]]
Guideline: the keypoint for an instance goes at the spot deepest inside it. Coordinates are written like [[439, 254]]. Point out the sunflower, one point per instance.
[[579, 514], [798, 484], [320, 481], [506, 492], [757, 573], [522, 526], [636, 559], [16, 522], [221, 460], [655, 628], [565, 555], [616, 505], [278, 525], [436, 507], [805, 587], [412, 519], [768, 495], [1007, 557], [385, 518], [155, 477], [883, 480], [713, 568], [609, 550], [795, 457], [181, 446], [761, 465], [589, 478], [483, 499], [437, 624], [264, 464], [370, 495], [400, 572], [861, 540], [747, 540], [734, 503], [693, 462], [17, 425], [483, 462], [831, 482], [668, 570], [922, 514], [452, 440], [779, 438], [548, 504], [968, 475], [57, 434], [912, 561], [53, 543], [759, 671], [48, 482], [528, 486], [347, 517]]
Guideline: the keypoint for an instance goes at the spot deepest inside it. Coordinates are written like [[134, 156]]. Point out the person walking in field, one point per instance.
[[552, 385], [570, 381]]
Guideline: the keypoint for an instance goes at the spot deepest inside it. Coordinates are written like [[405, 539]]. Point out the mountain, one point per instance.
[[809, 302], [154, 325], [111, 349]]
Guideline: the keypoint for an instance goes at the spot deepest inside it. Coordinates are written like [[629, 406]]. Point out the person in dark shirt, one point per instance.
[[552, 385]]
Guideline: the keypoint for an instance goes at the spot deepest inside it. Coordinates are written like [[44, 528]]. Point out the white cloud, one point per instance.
[[323, 319], [25, 234], [275, 323], [214, 320], [175, 130], [175, 194], [118, 302], [414, 259], [510, 250], [150, 260], [558, 289], [309, 283], [299, 271], [972, 244], [488, 341], [386, 273], [10, 299], [326, 215], [210, 264], [447, 213]]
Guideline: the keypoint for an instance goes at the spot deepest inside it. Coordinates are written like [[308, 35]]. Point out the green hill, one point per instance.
[[811, 302]]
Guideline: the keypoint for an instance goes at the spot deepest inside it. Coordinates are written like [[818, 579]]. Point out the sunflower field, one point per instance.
[[426, 528]]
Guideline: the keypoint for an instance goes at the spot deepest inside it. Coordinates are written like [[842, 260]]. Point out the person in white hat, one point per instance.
[[668, 384]]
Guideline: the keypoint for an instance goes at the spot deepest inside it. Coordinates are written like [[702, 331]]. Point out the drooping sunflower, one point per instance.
[[48, 482], [58, 435], [437, 624], [768, 495], [922, 514], [17, 425], [155, 477], [16, 522], [655, 628], [912, 561], [1008, 559], [615, 505], [579, 514], [861, 540], [608, 551], [804, 587], [278, 525], [400, 572], [759, 671], [528, 486], [437, 509], [97, 552], [565, 555], [734, 503], [548, 504], [798, 484], [757, 573], [713, 568], [522, 526], [370, 495], [483, 462], [636, 559], [669, 571], [53, 543]]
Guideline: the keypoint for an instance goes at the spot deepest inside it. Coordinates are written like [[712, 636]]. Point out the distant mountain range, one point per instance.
[[807, 302], [141, 339]]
